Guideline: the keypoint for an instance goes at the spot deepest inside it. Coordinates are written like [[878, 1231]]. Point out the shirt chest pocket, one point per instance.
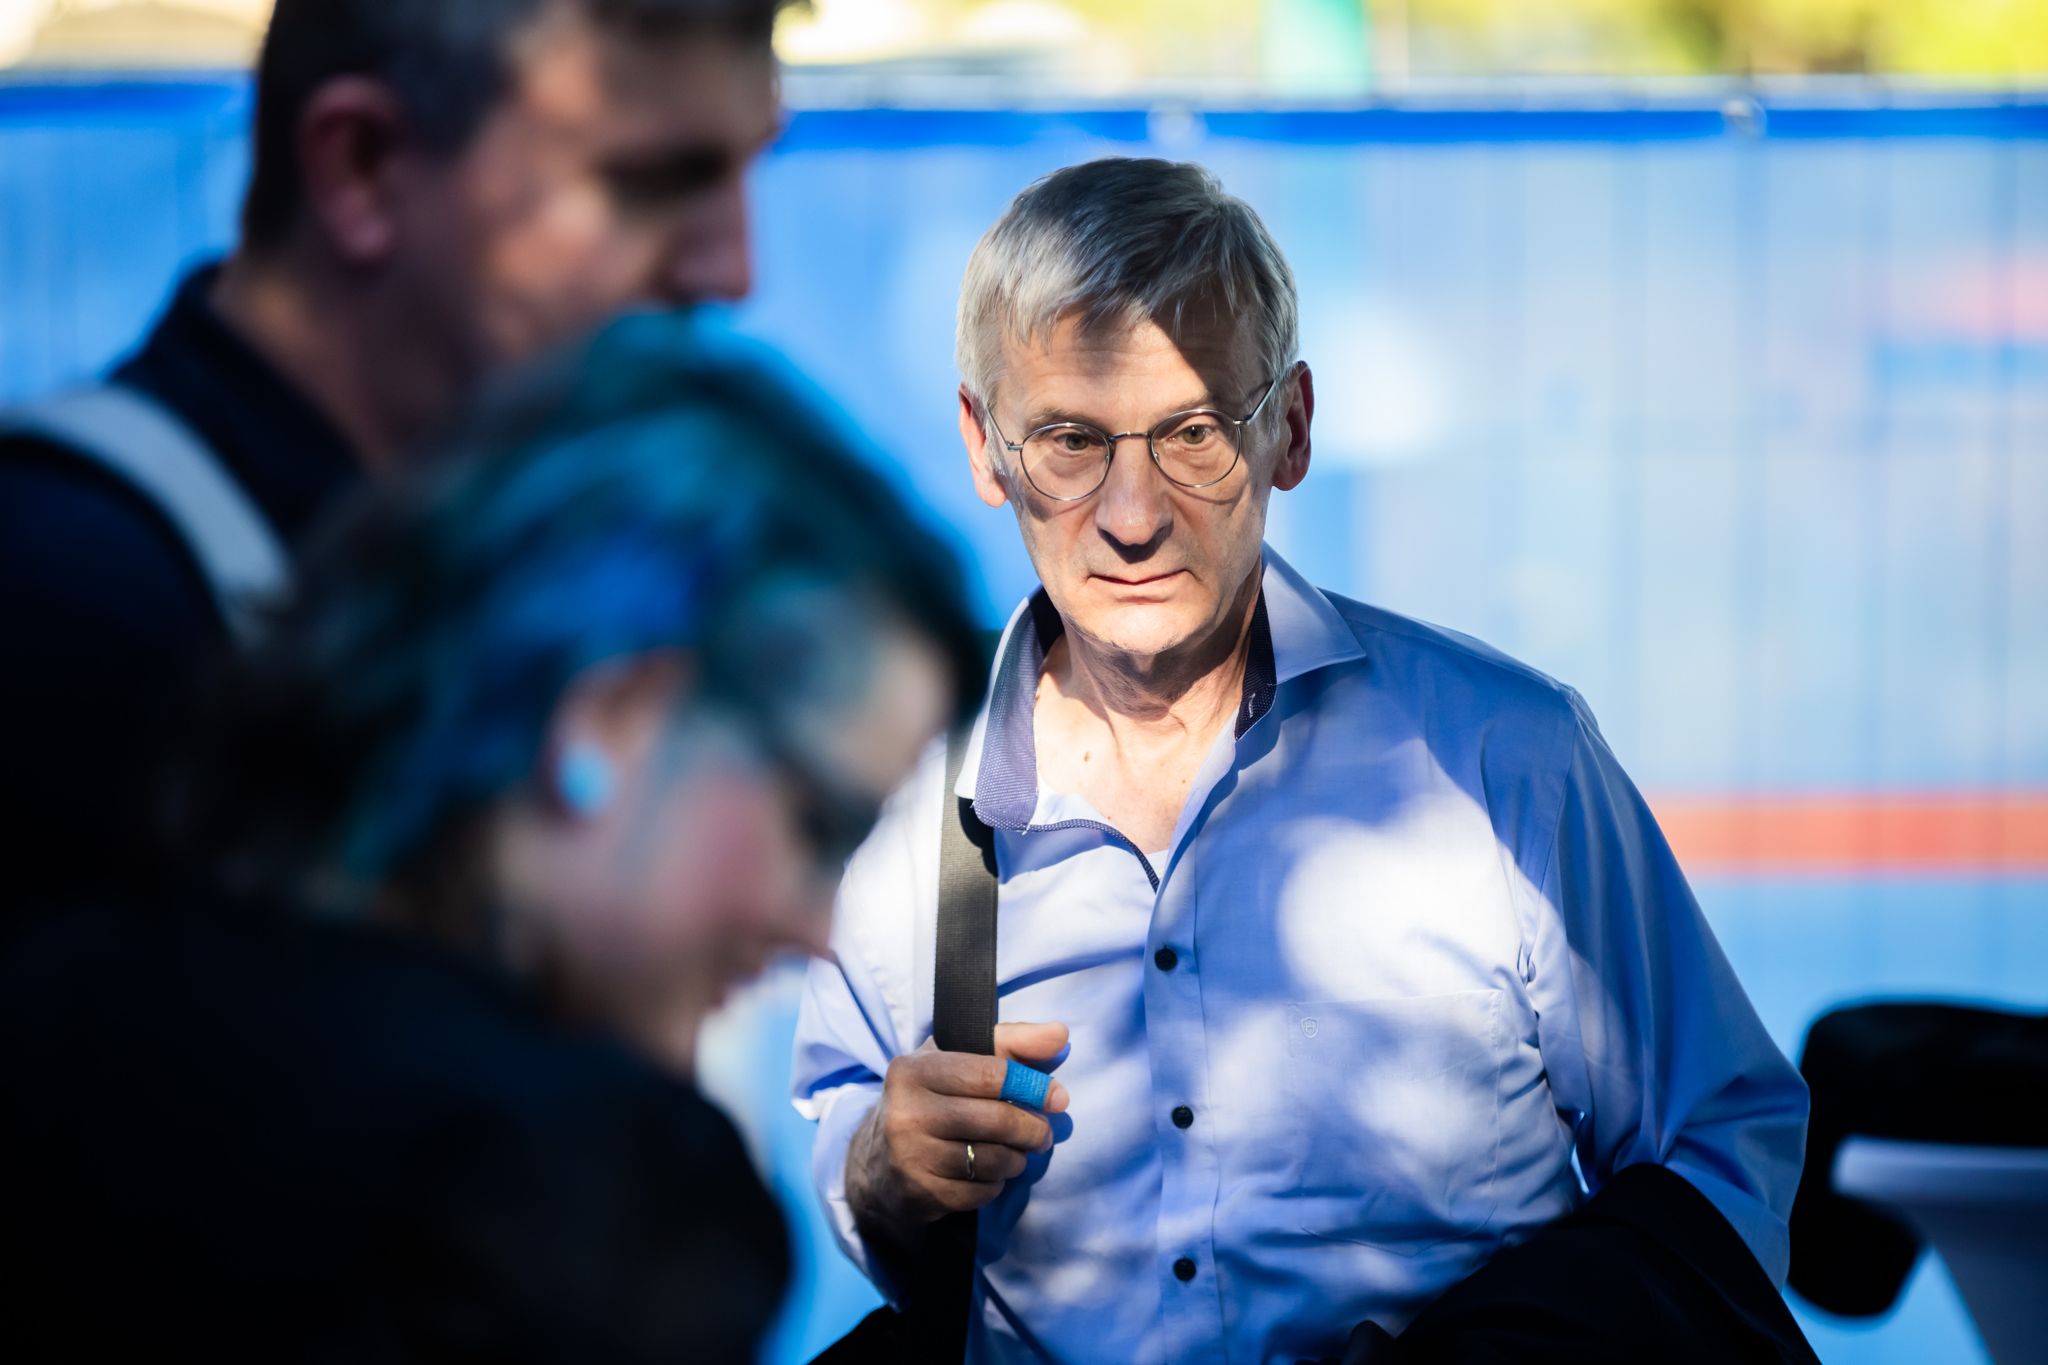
[[1396, 1111]]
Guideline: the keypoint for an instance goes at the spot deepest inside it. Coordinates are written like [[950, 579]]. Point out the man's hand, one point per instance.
[[907, 1165]]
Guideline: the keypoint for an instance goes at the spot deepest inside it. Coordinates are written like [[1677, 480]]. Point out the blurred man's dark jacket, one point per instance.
[[105, 614], [244, 1137]]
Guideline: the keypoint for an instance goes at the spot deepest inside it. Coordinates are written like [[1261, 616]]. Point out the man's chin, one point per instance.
[[1141, 631]]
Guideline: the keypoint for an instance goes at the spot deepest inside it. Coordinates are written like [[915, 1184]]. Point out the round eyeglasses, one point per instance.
[[1067, 461]]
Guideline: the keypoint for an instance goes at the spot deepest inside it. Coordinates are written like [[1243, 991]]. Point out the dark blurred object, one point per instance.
[[1924, 1072], [402, 1074], [105, 612], [1647, 1270], [278, 1140]]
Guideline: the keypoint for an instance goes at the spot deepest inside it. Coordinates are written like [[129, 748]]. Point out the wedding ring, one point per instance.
[[970, 1161]]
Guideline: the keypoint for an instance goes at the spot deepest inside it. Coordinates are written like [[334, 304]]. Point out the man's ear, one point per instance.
[[1292, 466], [981, 456], [614, 711], [351, 135]]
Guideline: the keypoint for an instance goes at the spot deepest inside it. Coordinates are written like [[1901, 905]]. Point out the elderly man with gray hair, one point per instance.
[[1379, 1019]]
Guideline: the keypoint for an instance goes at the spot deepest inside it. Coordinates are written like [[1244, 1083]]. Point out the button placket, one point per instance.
[[1177, 1041]]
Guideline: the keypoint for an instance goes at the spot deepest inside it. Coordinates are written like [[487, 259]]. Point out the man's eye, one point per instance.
[[834, 830], [816, 830], [663, 183], [1195, 435], [1073, 441]]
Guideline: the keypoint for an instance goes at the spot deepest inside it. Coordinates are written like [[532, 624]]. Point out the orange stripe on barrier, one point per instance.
[[1968, 832]]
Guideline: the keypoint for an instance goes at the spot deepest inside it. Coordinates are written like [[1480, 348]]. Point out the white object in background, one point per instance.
[[1984, 1210]]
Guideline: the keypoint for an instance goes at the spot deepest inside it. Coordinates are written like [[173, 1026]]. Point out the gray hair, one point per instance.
[[1114, 242]]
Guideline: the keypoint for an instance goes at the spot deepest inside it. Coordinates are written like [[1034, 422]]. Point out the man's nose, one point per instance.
[[1134, 506], [711, 259]]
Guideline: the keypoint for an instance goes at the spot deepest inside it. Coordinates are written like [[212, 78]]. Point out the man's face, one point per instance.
[[711, 858], [1142, 567], [609, 175]]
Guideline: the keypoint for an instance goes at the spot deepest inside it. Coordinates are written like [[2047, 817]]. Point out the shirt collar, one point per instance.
[[1295, 630], [279, 447]]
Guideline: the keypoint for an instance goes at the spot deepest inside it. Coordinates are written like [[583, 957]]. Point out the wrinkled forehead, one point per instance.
[[1202, 331]]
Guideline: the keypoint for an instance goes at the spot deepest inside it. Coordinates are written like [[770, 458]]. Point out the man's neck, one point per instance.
[[318, 333], [1185, 692]]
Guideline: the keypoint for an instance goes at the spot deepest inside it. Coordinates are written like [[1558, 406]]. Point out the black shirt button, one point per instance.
[[1184, 1270], [1182, 1116], [1166, 959]]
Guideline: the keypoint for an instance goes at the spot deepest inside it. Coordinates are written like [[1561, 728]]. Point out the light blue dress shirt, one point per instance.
[[1429, 960]]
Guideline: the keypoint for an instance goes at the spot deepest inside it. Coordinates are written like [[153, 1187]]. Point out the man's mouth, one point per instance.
[[1137, 580]]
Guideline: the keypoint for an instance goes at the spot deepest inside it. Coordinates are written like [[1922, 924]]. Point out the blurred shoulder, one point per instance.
[[78, 537]]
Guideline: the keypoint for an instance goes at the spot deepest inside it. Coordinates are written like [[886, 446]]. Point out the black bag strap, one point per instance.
[[939, 1294], [964, 965]]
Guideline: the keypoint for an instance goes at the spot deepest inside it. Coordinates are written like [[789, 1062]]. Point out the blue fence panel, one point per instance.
[[1739, 424]]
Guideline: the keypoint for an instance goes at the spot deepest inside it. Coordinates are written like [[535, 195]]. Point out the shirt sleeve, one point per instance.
[[861, 1006], [836, 1084], [1650, 1043]]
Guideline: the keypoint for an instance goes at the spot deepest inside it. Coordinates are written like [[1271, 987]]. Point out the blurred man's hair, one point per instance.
[[1112, 243], [664, 489], [446, 61]]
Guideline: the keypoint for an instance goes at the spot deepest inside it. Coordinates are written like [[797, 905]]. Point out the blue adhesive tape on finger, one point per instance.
[[1023, 1085]]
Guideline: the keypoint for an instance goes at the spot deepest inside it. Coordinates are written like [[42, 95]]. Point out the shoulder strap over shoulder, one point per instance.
[[940, 1299], [138, 439], [964, 965]]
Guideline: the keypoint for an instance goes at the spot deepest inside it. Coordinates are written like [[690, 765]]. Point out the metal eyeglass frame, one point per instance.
[[1151, 444]]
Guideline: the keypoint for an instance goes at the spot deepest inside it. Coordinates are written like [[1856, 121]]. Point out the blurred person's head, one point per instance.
[[449, 186], [1108, 300], [607, 688]]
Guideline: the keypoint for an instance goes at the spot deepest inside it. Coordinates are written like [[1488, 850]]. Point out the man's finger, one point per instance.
[[1038, 1046], [994, 1163], [978, 1120], [1034, 1044], [970, 1075]]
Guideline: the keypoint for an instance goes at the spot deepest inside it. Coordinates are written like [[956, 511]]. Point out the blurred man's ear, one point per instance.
[[614, 714], [351, 135], [1292, 466], [981, 453]]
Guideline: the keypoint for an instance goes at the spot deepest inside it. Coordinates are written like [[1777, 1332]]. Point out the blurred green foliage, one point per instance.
[[1698, 37], [1993, 39]]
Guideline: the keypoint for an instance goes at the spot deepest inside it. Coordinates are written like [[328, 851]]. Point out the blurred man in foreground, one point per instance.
[[439, 188], [566, 734], [1376, 1000]]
